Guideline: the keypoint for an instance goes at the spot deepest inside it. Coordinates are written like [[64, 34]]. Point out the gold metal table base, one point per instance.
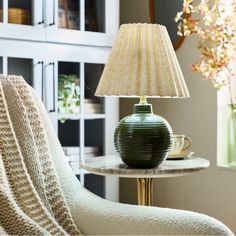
[[145, 191]]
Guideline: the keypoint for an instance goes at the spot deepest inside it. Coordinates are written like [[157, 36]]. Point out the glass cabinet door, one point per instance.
[[69, 137], [94, 138], [68, 14], [20, 12], [93, 104], [68, 111], [95, 16], [22, 19], [88, 15], [68, 88], [21, 66], [30, 68], [94, 127], [74, 21], [69, 11]]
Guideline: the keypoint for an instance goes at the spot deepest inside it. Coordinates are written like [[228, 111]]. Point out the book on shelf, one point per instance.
[[91, 106], [72, 154], [76, 150]]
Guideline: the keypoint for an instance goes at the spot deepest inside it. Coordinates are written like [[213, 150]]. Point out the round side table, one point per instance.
[[112, 165]]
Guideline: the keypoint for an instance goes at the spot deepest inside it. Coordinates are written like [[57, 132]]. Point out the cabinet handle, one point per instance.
[[54, 92], [42, 78], [42, 20], [54, 15]]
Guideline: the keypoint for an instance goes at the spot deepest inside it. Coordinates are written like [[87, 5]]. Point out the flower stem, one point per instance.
[[233, 107]]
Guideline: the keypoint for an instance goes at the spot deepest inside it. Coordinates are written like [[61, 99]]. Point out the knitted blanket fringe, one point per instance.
[[31, 201]]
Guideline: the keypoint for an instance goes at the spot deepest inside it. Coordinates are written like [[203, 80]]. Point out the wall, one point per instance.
[[212, 191]]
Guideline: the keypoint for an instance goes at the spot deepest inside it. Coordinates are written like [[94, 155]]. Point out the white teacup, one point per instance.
[[180, 143]]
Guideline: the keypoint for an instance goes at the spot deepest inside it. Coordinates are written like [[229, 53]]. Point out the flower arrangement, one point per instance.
[[214, 22]]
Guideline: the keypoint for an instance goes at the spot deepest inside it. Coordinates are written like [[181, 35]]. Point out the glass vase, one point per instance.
[[232, 135]]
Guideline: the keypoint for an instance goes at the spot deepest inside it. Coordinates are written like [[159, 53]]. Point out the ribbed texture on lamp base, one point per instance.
[[143, 139], [142, 63]]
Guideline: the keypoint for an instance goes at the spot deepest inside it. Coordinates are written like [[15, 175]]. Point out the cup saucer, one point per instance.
[[182, 155]]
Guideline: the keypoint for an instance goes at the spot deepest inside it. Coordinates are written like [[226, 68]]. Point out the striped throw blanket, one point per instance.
[[31, 201]]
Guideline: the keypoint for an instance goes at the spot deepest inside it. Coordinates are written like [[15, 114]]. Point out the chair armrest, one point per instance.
[[94, 215]]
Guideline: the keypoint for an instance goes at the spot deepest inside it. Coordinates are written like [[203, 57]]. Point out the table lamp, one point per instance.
[[142, 63]]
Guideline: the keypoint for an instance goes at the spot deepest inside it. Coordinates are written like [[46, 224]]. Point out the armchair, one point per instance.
[[39, 193]]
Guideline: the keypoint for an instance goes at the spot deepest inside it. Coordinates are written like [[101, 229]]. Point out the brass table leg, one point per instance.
[[145, 191]]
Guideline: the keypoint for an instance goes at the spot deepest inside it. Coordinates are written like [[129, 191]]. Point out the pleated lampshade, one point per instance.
[[142, 62]]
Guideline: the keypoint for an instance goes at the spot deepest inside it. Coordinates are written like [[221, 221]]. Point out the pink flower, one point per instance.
[[213, 21]]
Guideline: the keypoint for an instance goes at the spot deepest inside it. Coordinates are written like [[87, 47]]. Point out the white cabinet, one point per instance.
[[45, 49], [84, 22]]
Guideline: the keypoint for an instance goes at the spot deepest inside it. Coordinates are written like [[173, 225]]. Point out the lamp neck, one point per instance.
[[143, 100], [142, 109], [143, 106]]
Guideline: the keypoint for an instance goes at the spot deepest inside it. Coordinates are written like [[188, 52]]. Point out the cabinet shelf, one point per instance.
[[68, 116], [78, 116], [94, 116]]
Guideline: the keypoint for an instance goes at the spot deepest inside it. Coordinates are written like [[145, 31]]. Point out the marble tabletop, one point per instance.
[[113, 165]]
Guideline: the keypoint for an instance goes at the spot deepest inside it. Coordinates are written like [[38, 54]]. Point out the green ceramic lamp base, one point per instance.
[[143, 139]]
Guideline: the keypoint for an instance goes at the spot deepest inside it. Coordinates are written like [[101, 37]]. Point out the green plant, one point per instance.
[[68, 94]]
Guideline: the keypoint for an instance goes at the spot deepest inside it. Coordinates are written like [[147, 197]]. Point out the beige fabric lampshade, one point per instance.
[[142, 63]]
